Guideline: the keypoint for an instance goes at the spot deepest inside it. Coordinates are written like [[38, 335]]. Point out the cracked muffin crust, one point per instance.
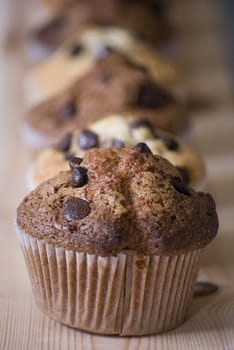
[[129, 200], [114, 241]]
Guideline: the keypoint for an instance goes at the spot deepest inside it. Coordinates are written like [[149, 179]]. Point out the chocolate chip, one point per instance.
[[108, 48], [184, 174], [56, 23], [64, 144], [68, 111], [139, 123], [53, 26], [203, 289], [143, 148], [79, 176], [105, 77], [74, 162], [180, 186], [152, 96], [117, 143], [158, 6], [76, 50], [87, 139], [170, 142], [103, 51], [75, 208]]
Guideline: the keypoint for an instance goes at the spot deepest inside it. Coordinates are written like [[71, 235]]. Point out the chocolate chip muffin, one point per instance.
[[115, 84], [63, 23], [158, 5], [118, 131], [144, 19], [112, 246], [79, 53]]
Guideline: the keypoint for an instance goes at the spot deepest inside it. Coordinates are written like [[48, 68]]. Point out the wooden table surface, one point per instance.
[[202, 52]]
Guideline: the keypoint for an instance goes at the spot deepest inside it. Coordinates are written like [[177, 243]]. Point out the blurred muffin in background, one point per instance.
[[118, 131], [78, 55], [145, 19], [114, 84]]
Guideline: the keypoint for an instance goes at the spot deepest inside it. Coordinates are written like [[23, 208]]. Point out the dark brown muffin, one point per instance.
[[78, 54], [70, 19], [114, 241], [114, 85], [144, 19], [129, 199]]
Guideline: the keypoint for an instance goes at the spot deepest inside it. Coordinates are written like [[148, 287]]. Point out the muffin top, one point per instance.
[[79, 53], [69, 19], [118, 130], [117, 199], [113, 85]]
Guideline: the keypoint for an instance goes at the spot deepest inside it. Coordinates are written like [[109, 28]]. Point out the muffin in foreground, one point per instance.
[[112, 246], [118, 131]]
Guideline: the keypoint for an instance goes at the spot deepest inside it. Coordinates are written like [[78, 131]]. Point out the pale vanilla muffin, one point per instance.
[[112, 246], [118, 131], [78, 54]]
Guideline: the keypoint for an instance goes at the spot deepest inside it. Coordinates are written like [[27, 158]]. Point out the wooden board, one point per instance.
[[202, 53]]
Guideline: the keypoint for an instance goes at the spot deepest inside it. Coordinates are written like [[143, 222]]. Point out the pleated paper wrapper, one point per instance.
[[126, 294]]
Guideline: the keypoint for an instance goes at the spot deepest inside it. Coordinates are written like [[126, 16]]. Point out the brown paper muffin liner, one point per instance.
[[126, 294]]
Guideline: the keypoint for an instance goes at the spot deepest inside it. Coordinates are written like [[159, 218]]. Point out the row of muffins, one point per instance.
[[112, 231], [125, 87]]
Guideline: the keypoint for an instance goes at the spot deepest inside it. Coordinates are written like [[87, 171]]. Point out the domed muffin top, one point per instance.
[[117, 199]]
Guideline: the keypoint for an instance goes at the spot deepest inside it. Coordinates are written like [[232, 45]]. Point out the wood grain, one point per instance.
[[202, 55]]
